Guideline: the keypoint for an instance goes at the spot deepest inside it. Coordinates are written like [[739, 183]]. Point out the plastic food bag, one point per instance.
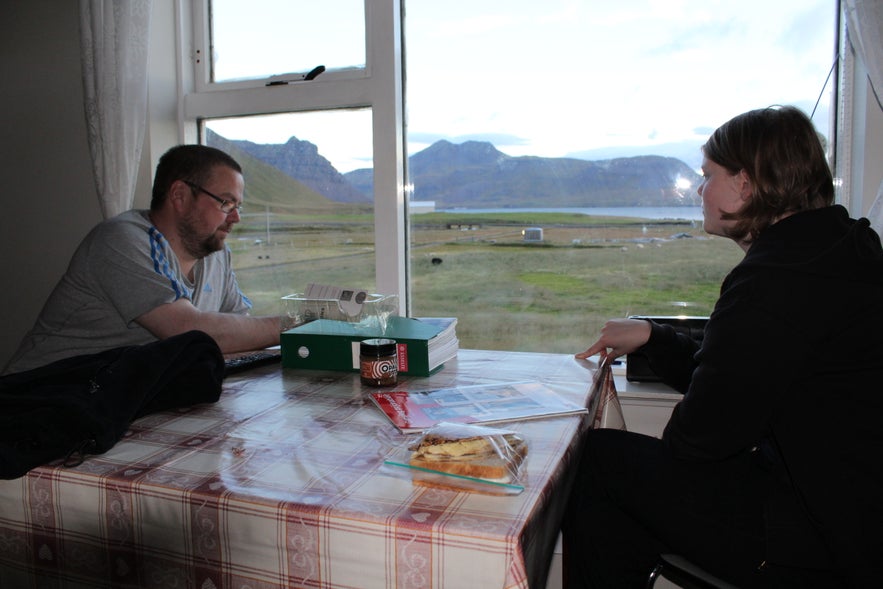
[[466, 458]]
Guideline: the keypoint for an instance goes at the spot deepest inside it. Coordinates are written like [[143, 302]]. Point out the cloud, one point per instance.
[[688, 152], [498, 139], [426, 138]]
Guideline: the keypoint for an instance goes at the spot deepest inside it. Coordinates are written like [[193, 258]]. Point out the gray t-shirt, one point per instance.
[[121, 270]]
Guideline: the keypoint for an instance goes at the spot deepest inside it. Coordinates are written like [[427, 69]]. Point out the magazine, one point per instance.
[[486, 403]]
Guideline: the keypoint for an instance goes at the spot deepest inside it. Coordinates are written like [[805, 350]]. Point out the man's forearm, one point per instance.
[[238, 333], [232, 332]]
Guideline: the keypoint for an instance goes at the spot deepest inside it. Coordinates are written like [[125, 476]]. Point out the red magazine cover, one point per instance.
[[412, 411]]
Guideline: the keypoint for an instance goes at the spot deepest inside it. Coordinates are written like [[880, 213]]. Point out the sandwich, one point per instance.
[[493, 457]]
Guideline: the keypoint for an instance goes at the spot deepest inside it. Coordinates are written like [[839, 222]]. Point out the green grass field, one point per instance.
[[507, 294]]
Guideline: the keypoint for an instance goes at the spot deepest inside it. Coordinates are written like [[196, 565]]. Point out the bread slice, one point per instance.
[[494, 458]]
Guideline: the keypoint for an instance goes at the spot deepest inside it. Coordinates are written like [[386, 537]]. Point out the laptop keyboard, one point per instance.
[[240, 363]]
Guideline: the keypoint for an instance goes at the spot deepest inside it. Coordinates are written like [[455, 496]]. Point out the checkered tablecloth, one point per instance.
[[282, 483]]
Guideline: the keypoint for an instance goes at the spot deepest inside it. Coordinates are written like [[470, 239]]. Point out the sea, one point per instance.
[[657, 213]]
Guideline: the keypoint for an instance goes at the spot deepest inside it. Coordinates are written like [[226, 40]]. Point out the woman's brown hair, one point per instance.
[[781, 153]]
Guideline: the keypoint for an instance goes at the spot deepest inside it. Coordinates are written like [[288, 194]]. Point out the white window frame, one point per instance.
[[380, 87], [857, 124], [377, 86]]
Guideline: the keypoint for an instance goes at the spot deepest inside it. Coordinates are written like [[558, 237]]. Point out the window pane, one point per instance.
[[303, 220], [597, 111], [261, 38]]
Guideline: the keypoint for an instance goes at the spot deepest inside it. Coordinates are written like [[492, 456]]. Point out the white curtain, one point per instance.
[[865, 22], [114, 48]]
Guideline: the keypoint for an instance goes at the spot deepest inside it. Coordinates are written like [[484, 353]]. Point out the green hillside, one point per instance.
[[266, 185]]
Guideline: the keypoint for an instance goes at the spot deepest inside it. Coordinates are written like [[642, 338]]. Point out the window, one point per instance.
[[265, 38], [304, 220], [252, 93], [522, 117], [525, 116]]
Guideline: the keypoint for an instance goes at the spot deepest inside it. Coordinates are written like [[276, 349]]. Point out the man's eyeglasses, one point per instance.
[[227, 206]]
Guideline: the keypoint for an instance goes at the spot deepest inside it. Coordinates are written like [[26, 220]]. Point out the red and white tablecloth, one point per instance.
[[281, 483]]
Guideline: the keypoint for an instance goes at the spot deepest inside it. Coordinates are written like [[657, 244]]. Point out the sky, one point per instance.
[[558, 78]]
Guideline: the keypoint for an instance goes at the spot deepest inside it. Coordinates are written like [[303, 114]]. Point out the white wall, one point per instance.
[[872, 152], [48, 195]]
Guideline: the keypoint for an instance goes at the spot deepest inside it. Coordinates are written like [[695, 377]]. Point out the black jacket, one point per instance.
[[83, 405], [791, 366]]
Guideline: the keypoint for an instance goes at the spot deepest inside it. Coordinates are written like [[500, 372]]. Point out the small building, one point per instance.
[[532, 234]]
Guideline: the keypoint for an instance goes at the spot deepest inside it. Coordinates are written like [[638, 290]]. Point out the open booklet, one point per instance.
[[486, 403]]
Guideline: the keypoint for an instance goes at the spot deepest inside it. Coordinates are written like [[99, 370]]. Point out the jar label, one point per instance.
[[379, 369]]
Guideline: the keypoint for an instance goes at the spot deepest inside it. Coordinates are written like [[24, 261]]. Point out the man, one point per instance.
[[147, 275]]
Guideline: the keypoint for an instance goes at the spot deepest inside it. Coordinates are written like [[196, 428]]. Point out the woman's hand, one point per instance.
[[618, 338]]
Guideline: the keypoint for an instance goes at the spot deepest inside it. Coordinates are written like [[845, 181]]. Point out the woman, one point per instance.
[[769, 471]]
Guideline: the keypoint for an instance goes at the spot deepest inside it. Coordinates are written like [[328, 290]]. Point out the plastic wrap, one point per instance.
[[465, 458], [370, 314]]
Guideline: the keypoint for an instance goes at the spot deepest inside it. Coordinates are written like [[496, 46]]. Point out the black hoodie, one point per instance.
[[791, 366]]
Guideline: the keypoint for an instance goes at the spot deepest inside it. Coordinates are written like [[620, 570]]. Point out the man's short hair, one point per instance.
[[193, 163]]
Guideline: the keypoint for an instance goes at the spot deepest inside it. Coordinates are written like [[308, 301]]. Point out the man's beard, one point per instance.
[[198, 246]]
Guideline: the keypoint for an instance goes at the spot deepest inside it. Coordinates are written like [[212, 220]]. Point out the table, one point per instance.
[[281, 483]]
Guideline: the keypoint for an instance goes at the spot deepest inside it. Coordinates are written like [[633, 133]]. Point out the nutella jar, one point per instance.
[[378, 362]]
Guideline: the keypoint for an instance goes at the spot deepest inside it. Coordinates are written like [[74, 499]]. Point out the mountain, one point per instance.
[[268, 186], [301, 160], [689, 152], [475, 174]]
